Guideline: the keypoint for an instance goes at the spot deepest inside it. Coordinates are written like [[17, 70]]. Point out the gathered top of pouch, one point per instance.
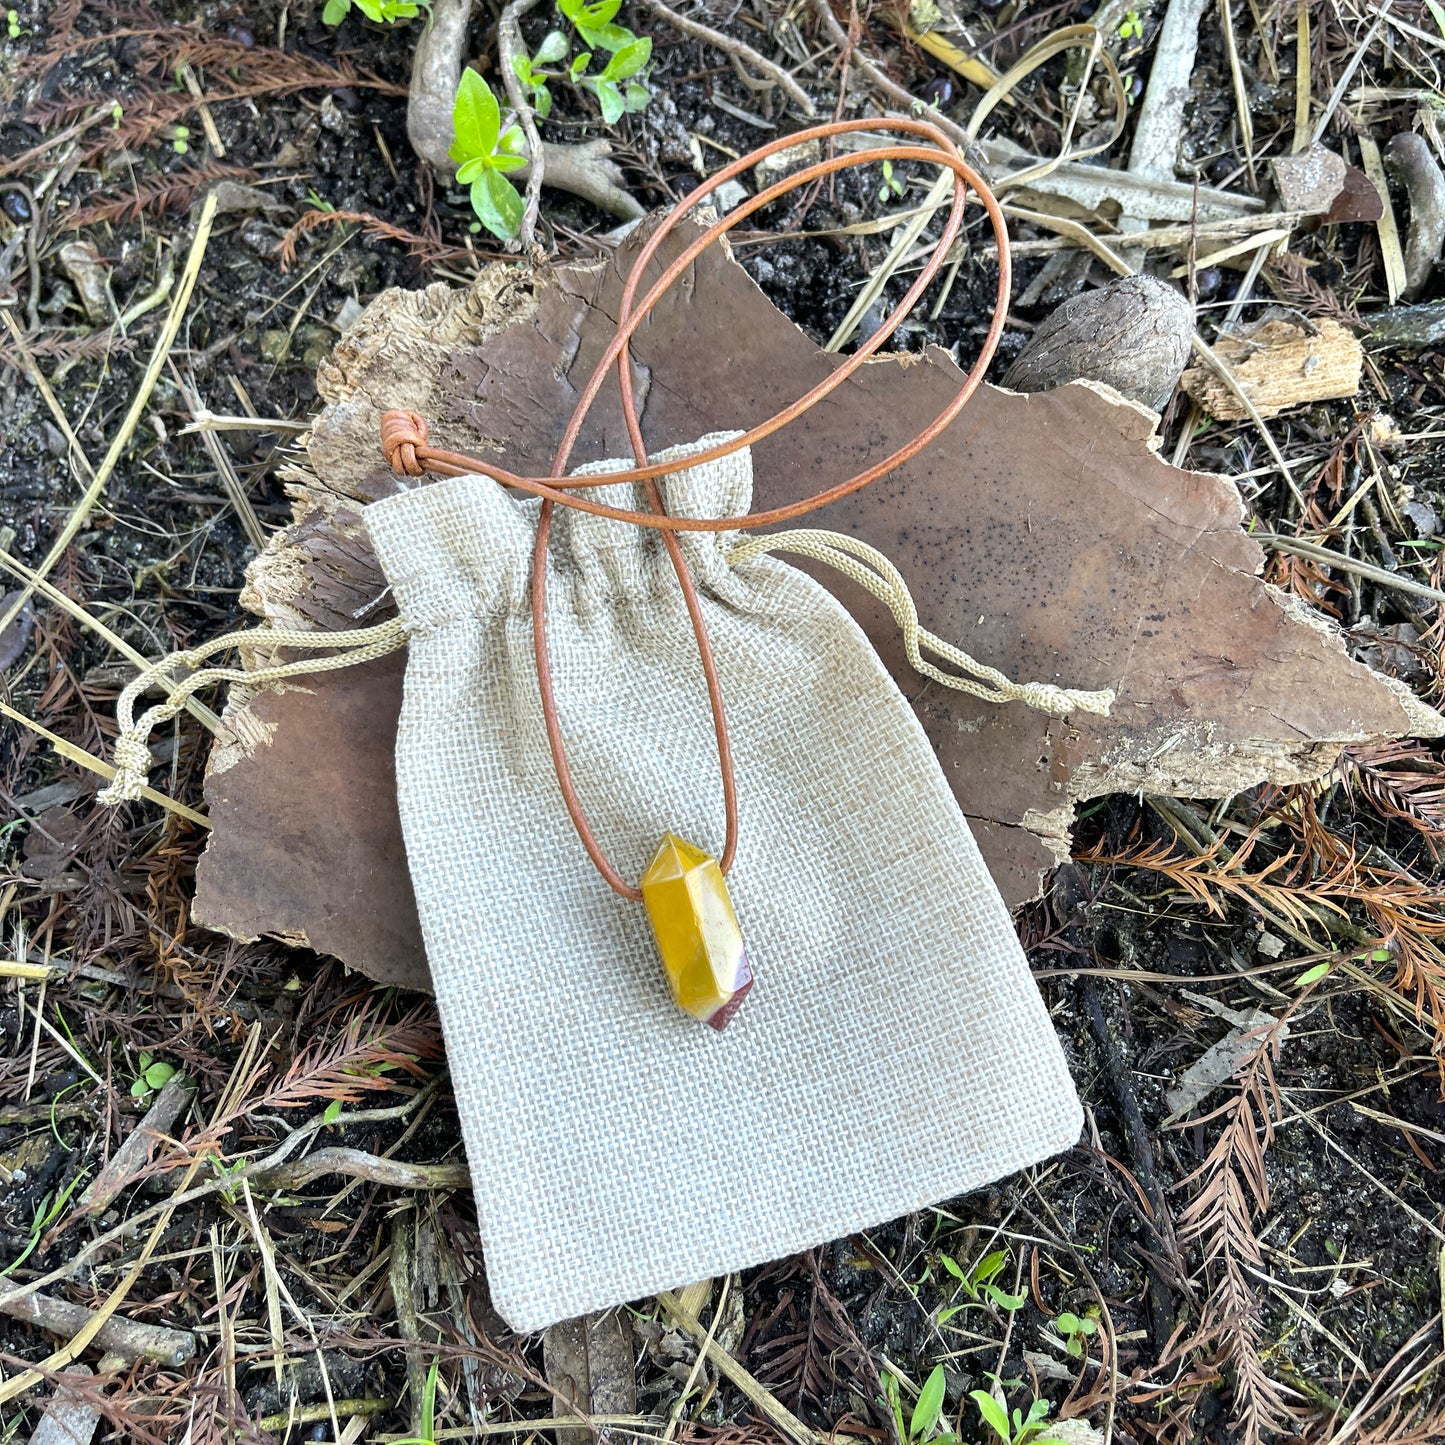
[[893, 1050]]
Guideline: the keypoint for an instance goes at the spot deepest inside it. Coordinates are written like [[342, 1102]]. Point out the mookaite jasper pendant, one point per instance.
[[697, 932]]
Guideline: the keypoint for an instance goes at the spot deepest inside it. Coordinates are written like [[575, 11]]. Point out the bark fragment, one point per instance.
[[1042, 533]]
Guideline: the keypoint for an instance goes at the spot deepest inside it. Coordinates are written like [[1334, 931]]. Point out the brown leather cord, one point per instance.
[[405, 446]]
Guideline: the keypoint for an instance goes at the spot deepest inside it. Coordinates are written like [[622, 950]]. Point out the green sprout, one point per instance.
[[927, 1410], [1131, 27], [891, 184], [382, 12], [484, 153], [530, 72], [978, 1285], [12, 24], [616, 88], [152, 1075], [1023, 1430], [180, 139], [1076, 1331]]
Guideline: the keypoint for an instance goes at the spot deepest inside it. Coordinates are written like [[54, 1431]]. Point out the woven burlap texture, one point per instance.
[[894, 1050]]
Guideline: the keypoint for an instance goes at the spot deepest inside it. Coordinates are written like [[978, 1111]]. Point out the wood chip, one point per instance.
[[1279, 364]]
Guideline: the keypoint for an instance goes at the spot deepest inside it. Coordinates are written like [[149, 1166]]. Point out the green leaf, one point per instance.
[[637, 96], [333, 1112], [158, 1075], [929, 1406], [990, 1266], [476, 118], [1002, 1299], [1067, 1324], [579, 65], [1381, 955], [628, 61], [610, 99], [552, 48], [468, 171], [502, 162], [1437, 14], [954, 1268], [145, 1061], [542, 100], [945, 1315], [1312, 975], [335, 12], [497, 204], [606, 37], [139, 1089], [994, 1415]]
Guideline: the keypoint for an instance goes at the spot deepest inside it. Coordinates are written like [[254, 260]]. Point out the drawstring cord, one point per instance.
[[856, 560]]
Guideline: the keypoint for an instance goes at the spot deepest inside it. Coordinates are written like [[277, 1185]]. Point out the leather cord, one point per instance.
[[405, 445]]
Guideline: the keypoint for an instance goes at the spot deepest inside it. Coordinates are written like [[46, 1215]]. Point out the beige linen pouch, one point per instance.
[[894, 1050]]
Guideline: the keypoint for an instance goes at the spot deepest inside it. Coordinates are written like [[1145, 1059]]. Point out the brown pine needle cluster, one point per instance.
[[1230, 1192]]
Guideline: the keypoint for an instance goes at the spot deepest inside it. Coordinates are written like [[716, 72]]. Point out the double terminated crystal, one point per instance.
[[697, 932]]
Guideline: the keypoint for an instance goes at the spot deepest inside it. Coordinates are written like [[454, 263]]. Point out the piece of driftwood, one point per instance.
[[1042, 533], [1279, 363], [1408, 155], [69, 1418], [127, 1339], [1133, 334]]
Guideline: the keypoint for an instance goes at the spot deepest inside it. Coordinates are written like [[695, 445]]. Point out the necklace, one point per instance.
[[684, 887]]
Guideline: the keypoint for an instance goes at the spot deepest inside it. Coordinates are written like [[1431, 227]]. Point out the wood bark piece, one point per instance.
[[69, 1418], [589, 1364], [1042, 533], [1279, 364]]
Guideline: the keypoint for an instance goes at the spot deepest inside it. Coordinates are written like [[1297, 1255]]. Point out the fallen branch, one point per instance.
[[358, 1164], [130, 1339], [738, 49]]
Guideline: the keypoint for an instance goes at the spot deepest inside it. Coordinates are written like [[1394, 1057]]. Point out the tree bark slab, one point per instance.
[[1042, 533]]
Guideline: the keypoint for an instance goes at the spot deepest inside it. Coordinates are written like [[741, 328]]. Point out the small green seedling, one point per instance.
[[927, 1410], [891, 184], [530, 72], [484, 153], [382, 12], [181, 139], [153, 1075], [12, 25], [1131, 27], [616, 90], [117, 114], [593, 22], [1076, 1331], [616, 87], [978, 1284], [1023, 1430]]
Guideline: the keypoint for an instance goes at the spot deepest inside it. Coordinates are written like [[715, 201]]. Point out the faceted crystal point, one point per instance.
[[697, 932]]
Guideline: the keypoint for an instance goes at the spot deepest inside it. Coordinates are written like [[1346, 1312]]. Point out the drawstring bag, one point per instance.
[[805, 882], [893, 1050]]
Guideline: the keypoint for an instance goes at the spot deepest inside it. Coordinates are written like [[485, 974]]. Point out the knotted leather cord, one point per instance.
[[405, 445]]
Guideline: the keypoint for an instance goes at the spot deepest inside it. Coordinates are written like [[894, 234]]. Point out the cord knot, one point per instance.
[[132, 767], [402, 433]]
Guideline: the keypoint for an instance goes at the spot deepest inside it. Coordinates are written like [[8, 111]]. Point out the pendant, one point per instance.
[[697, 932]]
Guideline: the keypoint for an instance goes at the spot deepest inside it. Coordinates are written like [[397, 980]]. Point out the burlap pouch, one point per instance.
[[894, 1050]]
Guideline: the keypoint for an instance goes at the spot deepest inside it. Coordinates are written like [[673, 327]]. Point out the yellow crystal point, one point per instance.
[[697, 932]]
